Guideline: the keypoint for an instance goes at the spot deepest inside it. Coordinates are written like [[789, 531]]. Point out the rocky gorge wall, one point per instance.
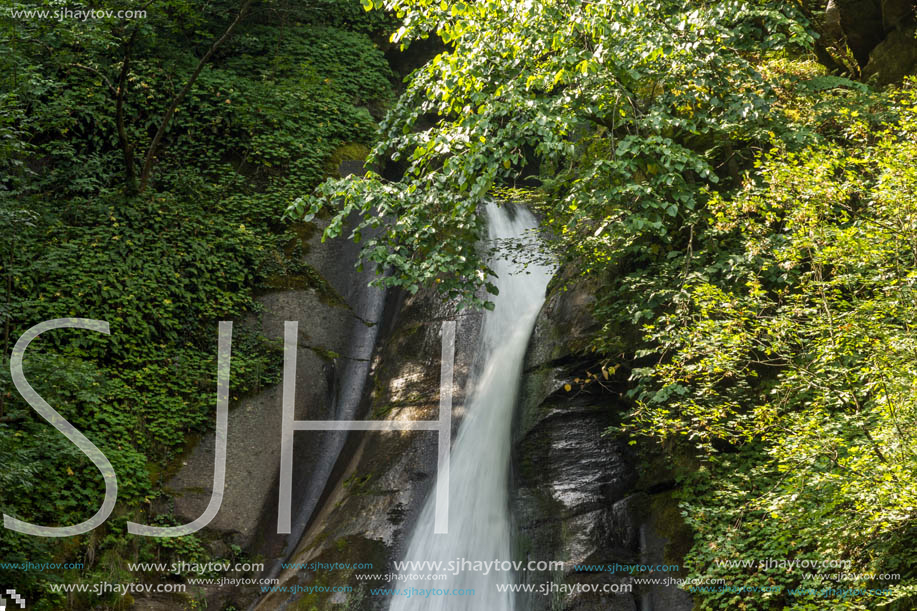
[[880, 34], [384, 477], [339, 317], [579, 495]]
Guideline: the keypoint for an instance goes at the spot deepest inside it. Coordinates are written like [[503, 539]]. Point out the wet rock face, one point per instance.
[[253, 435], [861, 21], [383, 478], [336, 312], [579, 495], [893, 58]]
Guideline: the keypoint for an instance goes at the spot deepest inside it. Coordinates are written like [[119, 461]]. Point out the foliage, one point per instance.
[[793, 368], [621, 109], [258, 126]]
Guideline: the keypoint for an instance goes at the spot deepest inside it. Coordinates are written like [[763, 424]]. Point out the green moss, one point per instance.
[[357, 484], [325, 353], [299, 244], [668, 522], [314, 600], [305, 277], [352, 151], [319, 539], [348, 549], [381, 411]]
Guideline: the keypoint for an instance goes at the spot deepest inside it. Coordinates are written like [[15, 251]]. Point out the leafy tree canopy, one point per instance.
[[617, 110]]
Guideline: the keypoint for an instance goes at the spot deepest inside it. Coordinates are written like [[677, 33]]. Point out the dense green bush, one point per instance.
[[791, 368]]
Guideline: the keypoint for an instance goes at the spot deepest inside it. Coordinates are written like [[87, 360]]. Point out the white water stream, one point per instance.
[[479, 521]]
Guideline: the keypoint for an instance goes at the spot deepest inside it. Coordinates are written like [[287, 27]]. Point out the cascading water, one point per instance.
[[479, 522]]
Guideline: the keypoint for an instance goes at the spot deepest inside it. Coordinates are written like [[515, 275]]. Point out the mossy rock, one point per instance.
[[668, 522], [348, 549], [351, 151], [307, 277]]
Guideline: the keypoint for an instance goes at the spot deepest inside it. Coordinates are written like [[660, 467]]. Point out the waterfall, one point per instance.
[[479, 521]]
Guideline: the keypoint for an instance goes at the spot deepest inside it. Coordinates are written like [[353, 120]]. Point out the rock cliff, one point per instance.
[[580, 495]]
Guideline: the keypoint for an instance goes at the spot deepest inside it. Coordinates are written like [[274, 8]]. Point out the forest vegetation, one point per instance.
[[162, 239], [736, 178]]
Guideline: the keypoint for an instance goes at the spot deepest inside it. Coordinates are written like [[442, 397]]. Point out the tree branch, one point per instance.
[[167, 118], [127, 149], [104, 78]]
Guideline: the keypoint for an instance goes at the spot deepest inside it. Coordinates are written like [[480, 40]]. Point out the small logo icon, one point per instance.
[[16, 599]]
